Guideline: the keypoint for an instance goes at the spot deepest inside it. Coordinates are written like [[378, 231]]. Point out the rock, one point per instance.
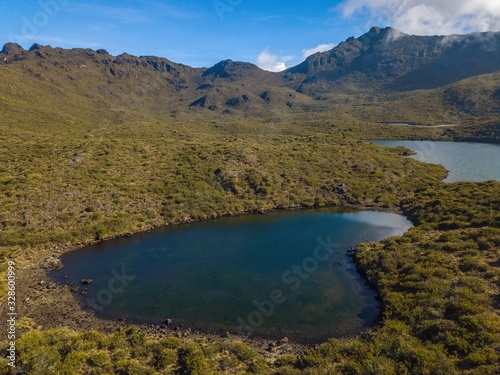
[[74, 289], [35, 46], [12, 48], [201, 102], [102, 52], [87, 281], [206, 86], [235, 102], [52, 264], [284, 341], [168, 322], [272, 347], [41, 283], [266, 96]]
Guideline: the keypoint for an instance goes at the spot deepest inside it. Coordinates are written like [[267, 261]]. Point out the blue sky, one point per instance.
[[275, 34]]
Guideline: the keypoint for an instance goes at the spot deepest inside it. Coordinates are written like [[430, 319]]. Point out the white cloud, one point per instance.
[[428, 17], [319, 48], [273, 63]]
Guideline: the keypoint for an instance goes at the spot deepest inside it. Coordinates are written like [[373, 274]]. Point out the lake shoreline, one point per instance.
[[53, 305], [486, 141], [464, 161], [56, 306]]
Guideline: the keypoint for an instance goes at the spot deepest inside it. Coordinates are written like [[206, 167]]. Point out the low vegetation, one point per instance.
[[82, 161], [438, 284], [66, 189]]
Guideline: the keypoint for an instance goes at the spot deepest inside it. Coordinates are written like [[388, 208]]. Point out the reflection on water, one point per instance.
[[281, 274]]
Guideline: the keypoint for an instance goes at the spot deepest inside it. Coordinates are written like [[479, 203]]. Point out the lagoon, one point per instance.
[[282, 274], [465, 161]]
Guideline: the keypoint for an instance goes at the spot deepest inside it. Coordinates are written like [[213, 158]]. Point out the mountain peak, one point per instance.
[[35, 46], [388, 59], [377, 33], [9, 48], [230, 68], [375, 30]]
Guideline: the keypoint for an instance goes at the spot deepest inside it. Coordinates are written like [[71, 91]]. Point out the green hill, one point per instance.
[[94, 146]]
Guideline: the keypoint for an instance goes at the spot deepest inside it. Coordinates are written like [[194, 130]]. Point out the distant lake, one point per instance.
[[465, 161], [420, 125], [275, 275]]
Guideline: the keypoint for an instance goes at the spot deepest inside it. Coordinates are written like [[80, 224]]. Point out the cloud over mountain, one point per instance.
[[273, 63], [428, 17], [319, 48]]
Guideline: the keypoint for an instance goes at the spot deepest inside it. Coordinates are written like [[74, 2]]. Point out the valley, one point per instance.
[[97, 147]]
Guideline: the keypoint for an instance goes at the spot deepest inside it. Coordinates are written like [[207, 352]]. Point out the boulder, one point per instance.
[[266, 96], [74, 289], [284, 341], [52, 263]]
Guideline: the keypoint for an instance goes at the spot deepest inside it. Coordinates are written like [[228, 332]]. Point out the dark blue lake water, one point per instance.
[[275, 275]]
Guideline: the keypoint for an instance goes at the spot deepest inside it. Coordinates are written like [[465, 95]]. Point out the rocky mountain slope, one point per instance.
[[381, 67], [388, 60]]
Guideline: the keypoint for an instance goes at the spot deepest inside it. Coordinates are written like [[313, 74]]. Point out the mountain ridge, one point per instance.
[[310, 64], [395, 61], [372, 71]]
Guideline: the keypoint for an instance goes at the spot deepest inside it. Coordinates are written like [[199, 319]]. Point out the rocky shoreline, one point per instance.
[[52, 305]]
